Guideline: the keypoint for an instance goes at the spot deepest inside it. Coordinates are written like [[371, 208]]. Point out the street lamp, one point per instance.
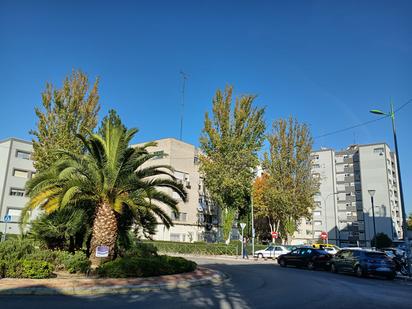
[[398, 167], [372, 193]]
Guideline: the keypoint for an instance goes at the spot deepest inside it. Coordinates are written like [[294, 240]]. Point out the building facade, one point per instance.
[[16, 167], [343, 203], [198, 218]]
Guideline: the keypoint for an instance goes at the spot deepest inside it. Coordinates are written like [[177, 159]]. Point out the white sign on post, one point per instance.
[[102, 251]]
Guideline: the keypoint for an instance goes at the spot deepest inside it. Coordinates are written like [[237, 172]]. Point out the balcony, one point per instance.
[[348, 160], [348, 170], [349, 178]]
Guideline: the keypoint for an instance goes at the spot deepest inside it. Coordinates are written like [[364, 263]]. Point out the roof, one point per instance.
[[16, 139]]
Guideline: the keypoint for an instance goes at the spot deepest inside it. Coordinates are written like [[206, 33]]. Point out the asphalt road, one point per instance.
[[250, 285]]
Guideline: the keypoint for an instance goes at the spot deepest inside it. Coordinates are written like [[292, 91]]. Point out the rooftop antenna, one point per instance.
[[184, 78]]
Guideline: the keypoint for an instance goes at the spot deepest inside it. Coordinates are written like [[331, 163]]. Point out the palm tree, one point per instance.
[[112, 177]]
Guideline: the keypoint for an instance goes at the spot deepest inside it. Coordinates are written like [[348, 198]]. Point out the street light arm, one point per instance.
[[377, 112]]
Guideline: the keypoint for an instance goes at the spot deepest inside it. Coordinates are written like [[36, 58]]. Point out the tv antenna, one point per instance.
[[184, 79]]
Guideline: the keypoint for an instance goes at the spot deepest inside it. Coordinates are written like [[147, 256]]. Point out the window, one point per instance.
[[180, 216], [378, 151], [159, 154], [174, 237], [196, 160], [23, 155], [316, 166], [317, 213], [14, 213], [20, 173], [317, 223], [16, 192]]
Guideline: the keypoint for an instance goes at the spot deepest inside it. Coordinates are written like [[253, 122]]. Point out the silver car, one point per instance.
[[271, 252]]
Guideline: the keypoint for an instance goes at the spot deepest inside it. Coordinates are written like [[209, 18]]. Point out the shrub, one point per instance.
[[26, 269], [15, 249], [73, 263], [381, 241], [145, 266], [140, 249]]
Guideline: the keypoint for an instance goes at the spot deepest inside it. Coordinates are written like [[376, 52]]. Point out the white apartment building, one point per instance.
[[198, 218], [343, 203], [16, 167]]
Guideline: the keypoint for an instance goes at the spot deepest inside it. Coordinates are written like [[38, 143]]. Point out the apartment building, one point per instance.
[[343, 203], [16, 167], [198, 218]]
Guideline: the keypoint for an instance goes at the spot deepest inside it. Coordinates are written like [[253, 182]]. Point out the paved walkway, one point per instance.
[[87, 286]]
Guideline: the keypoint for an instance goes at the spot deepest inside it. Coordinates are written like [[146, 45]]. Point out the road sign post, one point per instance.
[[6, 219], [275, 235], [324, 236], [242, 225]]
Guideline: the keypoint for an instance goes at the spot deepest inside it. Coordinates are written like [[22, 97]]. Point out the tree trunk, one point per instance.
[[104, 233]]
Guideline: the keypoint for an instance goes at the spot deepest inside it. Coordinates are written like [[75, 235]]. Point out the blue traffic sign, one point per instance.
[[7, 218]]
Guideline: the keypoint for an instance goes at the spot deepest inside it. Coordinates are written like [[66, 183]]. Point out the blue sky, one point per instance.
[[325, 62]]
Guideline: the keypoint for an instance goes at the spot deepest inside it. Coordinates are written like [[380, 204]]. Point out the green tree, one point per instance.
[[65, 112], [409, 222], [230, 142], [287, 188], [111, 178], [381, 241]]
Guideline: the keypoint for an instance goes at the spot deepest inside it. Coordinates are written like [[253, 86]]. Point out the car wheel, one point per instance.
[[260, 256], [359, 271], [333, 269], [311, 265], [282, 263], [391, 276], [404, 270]]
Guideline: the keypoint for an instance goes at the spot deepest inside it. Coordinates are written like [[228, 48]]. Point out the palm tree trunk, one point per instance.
[[104, 233]]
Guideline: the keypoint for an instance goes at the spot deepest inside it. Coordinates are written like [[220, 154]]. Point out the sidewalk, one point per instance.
[[86, 286]]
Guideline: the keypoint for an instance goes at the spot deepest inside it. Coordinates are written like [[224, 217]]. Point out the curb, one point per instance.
[[214, 279]]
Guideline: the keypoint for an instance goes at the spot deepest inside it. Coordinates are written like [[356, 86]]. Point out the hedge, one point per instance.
[[128, 266], [202, 248]]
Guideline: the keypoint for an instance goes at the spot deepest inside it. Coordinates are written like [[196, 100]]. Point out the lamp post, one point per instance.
[[253, 227], [398, 167], [372, 193]]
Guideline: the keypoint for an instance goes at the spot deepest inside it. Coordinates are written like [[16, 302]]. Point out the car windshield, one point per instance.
[[375, 254]]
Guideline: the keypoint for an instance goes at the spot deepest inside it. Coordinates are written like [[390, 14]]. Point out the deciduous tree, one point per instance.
[[230, 142], [65, 112], [284, 193]]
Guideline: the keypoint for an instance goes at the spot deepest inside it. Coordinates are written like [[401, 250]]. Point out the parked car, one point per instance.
[[305, 257], [363, 262], [332, 249], [272, 252]]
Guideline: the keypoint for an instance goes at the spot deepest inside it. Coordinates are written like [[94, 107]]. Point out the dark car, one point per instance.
[[305, 257], [363, 262]]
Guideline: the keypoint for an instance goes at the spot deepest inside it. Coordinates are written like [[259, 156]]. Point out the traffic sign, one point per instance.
[[275, 235], [7, 218], [242, 225], [324, 235]]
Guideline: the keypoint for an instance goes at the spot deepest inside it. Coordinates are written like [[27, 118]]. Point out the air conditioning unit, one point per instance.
[[188, 184]]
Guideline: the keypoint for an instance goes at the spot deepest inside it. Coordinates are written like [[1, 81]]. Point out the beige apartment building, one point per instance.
[[343, 203], [198, 218]]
